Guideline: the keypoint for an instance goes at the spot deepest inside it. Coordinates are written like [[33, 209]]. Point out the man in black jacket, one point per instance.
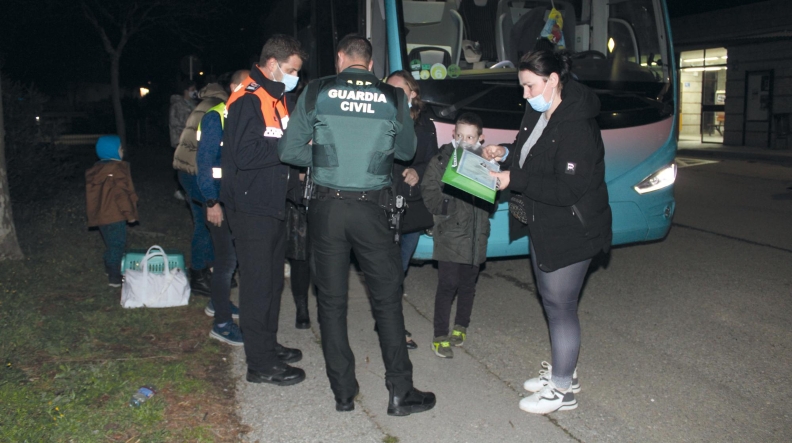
[[253, 192]]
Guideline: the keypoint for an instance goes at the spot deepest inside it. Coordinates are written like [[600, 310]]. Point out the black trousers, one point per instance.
[[224, 264], [300, 277], [454, 280], [335, 227], [261, 251]]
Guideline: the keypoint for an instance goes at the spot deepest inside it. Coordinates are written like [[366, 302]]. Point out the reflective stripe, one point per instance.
[[273, 132], [285, 121], [198, 133], [217, 172]]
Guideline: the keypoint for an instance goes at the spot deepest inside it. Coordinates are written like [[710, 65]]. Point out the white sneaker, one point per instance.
[[536, 384], [549, 399]]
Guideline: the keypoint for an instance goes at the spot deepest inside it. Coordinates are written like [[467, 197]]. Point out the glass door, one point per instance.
[[713, 106]]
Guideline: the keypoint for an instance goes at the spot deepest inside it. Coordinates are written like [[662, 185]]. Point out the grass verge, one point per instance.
[[72, 357]]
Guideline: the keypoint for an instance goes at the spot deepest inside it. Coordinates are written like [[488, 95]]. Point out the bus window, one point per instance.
[[479, 35]]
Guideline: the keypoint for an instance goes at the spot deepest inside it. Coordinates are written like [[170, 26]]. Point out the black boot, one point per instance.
[[303, 321], [410, 402], [201, 282]]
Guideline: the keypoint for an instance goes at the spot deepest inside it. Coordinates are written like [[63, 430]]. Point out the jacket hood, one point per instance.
[[107, 147], [213, 90], [578, 102]]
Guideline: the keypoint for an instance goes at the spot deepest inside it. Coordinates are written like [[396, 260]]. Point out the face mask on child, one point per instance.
[[476, 149]]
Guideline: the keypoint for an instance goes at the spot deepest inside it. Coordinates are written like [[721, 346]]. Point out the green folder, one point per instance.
[[470, 173]]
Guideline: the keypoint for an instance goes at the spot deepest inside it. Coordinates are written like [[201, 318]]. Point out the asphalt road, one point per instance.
[[687, 339]]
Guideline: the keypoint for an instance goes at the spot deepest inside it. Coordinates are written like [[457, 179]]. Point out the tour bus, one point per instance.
[[465, 54]]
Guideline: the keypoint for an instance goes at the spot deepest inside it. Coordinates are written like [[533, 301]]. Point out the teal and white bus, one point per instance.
[[465, 53]]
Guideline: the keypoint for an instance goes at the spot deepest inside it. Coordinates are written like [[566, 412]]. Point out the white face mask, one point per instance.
[[289, 80], [476, 149], [539, 104]]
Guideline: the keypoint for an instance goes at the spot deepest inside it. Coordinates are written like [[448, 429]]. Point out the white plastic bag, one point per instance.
[[146, 289]]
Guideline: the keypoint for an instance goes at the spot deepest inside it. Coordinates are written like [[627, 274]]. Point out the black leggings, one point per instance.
[[560, 291]]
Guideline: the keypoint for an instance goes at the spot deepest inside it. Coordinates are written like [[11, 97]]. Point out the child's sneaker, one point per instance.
[[442, 347], [458, 336], [549, 399], [229, 334], [537, 383], [210, 311]]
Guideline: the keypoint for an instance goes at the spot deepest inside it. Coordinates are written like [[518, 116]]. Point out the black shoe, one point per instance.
[[412, 402], [303, 321], [410, 343], [347, 404], [288, 355], [201, 282], [280, 375]]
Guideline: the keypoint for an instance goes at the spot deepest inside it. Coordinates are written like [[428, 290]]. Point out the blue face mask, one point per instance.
[[538, 103], [289, 80]]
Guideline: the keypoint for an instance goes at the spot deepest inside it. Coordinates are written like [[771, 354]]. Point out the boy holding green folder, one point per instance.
[[461, 229]]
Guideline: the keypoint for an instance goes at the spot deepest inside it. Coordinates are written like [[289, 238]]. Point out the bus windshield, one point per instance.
[[483, 40]]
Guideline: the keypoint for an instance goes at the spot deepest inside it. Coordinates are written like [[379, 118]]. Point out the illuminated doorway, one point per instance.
[[703, 95]]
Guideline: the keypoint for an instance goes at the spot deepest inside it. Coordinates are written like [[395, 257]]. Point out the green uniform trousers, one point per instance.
[[335, 227]]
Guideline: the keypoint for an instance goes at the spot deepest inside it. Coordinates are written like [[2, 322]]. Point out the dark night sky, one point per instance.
[[49, 42]]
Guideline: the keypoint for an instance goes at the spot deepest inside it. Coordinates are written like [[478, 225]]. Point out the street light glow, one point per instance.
[[144, 92]]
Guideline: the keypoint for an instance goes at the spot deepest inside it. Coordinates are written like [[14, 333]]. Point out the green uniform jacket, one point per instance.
[[357, 125], [461, 221]]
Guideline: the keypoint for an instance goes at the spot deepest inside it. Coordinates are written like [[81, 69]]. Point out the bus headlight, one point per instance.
[[662, 178]]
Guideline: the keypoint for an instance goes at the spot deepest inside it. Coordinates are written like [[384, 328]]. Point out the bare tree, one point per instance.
[[9, 246], [129, 19]]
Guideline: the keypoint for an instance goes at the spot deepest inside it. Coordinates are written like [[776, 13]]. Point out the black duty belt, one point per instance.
[[325, 193]]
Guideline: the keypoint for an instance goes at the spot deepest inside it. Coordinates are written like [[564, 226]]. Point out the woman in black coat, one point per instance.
[[407, 175], [556, 173]]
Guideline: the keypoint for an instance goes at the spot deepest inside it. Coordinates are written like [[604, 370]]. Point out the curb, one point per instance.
[[734, 155]]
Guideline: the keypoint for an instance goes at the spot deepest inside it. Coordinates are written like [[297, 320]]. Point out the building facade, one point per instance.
[[735, 74]]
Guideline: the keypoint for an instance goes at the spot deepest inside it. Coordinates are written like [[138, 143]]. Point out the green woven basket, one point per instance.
[[156, 265]]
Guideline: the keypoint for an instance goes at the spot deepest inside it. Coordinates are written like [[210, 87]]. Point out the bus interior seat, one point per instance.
[[528, 28], [436, 25], [479, 17], [430, 55]]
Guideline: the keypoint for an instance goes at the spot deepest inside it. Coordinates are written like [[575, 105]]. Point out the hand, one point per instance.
[[493, 152], [302, 176], [504, 178], [410, 176], [215, 215]]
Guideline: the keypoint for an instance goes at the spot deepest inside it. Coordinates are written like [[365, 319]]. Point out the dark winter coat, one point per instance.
[[562, 182], [254, 179], [416, 217], [461, 221]]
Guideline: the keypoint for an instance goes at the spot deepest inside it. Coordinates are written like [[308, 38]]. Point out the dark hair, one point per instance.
[[185, 85], [356, 47], [417, 103], [281, 47], [544, 62], [544, 44], [469, 118]]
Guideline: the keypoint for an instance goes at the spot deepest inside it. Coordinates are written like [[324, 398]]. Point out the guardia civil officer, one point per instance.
[[357, 125], [253, 192]]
